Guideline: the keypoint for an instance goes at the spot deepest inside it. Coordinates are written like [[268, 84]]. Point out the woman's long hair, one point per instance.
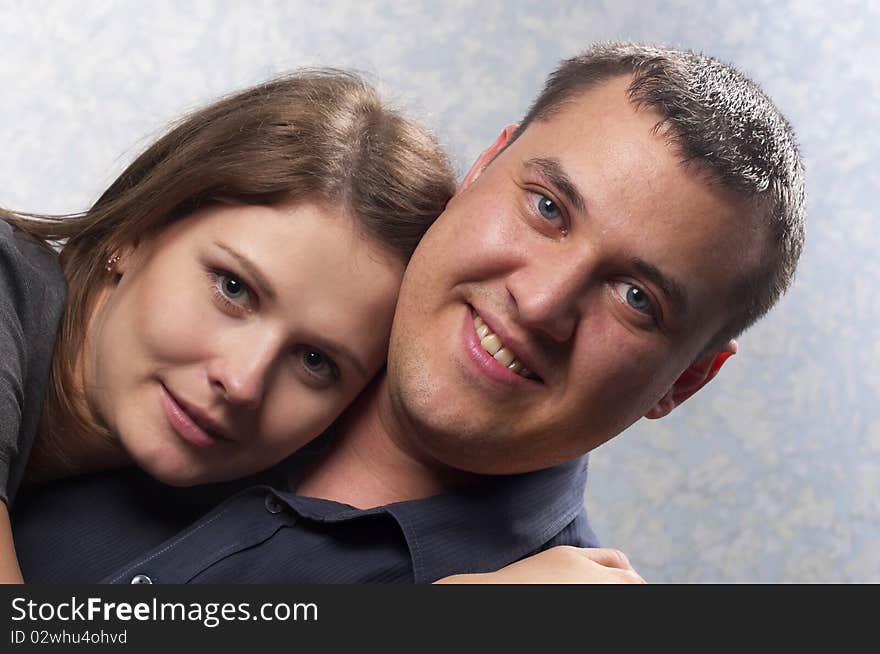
[[319, 134]]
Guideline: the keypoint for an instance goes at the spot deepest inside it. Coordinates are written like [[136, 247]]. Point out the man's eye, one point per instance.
[[548, 208], [635, 297]]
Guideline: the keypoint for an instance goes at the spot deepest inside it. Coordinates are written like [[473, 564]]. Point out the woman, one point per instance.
[[229, 294]]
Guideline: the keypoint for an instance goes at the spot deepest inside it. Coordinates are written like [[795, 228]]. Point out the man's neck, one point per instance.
[[372, 462]]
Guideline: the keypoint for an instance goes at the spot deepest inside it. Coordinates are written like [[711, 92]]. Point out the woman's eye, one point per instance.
[[232, 288], [231, 293], [548, 208], [318, 364], [635, 297]]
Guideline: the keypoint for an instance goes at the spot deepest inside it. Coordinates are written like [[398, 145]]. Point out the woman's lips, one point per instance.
[[182, 423]]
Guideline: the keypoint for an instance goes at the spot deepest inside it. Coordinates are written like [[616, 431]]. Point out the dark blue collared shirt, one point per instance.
[[126, 528]]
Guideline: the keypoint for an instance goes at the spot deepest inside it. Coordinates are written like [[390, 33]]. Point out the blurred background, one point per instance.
[[771, 474]]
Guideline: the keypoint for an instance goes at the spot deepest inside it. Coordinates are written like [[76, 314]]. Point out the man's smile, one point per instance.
[[493, 345], [500, 362]]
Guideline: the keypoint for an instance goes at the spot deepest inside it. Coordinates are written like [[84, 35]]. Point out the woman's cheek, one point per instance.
[[295, 415], [180, 325]]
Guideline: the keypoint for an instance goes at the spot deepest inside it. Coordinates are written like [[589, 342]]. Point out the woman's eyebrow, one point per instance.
[[250, 268]]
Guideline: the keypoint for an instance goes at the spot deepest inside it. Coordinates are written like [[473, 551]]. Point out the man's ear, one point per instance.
[[486, 156], [700, 373]]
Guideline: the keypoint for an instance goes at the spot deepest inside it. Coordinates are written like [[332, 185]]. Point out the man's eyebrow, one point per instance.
[[250, 268], [552, 171], [672, 289]]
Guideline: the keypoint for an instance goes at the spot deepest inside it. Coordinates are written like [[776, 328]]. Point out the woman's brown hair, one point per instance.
[[321, 134]]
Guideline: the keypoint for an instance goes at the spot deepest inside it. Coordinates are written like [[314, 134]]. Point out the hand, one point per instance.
[[560, 565]]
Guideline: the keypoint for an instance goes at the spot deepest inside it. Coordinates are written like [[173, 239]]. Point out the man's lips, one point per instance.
[[488, 365], [500, 344], [183, 419]]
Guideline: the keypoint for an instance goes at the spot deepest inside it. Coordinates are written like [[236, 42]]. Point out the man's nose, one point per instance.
[[240, 373], [548, 294]]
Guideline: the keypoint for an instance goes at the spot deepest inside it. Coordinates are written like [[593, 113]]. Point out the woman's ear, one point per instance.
[[486, 156], [119, 261], [700, 373]]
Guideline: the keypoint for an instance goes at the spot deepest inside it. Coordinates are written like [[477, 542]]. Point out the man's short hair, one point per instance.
[[725, 126]]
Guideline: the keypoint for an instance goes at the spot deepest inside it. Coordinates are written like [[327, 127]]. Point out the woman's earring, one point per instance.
[[111, 263]]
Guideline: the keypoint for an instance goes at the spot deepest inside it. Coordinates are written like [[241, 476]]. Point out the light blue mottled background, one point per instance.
[[773, 473]]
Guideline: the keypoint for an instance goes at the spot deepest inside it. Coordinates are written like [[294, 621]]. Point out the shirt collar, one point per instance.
[[489, 526], [492, 524]]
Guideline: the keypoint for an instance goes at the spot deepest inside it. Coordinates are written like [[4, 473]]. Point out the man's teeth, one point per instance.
[[493, 345]]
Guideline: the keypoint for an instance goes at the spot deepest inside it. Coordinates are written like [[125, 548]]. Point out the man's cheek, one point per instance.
[[633, 379]]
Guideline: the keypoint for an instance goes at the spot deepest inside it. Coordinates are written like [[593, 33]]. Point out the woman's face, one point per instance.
[[237, 335]]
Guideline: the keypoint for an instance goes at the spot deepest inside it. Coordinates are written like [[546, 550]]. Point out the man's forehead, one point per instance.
[[605, 103], [600, 134]]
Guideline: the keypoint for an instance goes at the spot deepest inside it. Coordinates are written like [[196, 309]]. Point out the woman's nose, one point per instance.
[[240, 375]]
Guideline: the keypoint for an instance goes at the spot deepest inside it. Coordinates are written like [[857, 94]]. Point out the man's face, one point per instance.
[[599, 262]]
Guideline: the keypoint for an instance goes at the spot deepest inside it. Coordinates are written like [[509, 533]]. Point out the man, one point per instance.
[[593, 268]]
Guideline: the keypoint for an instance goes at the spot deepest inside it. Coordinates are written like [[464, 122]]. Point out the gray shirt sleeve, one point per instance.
[[32, 294]]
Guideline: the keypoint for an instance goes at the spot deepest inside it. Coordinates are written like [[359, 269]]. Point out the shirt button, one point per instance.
[[273, 504], [141, 579]]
